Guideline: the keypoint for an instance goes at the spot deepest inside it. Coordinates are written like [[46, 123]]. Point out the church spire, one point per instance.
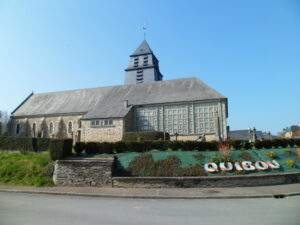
[[143, 66], [144, 48]]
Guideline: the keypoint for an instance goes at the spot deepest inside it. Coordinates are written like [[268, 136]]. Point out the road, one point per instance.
[[30, 209]]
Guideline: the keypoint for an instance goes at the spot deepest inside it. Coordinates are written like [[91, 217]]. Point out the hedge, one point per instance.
[[144, 146], [60, 149], [24, 144], [145, 136]]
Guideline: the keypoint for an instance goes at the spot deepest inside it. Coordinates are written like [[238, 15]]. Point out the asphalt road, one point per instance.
[[29, 209]]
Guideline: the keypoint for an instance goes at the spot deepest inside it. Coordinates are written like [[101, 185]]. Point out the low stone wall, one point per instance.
[[83, 172], [206, 182]]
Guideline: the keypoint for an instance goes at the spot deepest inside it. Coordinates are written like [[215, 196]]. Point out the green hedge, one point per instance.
[[144, 146], [60, 149], [24, 144], [145, 136]]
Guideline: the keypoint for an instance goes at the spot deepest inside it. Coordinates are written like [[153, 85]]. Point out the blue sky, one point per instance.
[[247, 50]]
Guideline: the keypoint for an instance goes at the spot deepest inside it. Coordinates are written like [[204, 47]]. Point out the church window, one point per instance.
[[51, 128], [18, 129], [102, 123], [79, 123], [70, 127]]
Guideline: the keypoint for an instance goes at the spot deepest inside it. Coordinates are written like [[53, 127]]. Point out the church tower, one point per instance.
[[143, 66]]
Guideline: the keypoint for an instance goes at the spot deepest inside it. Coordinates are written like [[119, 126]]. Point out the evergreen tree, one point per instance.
[[62, 130]]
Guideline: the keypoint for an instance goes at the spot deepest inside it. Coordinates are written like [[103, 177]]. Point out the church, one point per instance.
[[185, 108]]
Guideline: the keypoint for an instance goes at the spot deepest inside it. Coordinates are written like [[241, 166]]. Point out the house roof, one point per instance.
[[245, 135], [242, 134], [105, 102], [144, 48]]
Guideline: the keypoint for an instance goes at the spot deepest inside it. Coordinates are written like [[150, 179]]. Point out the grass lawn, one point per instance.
[[31, 169], [191, 158]]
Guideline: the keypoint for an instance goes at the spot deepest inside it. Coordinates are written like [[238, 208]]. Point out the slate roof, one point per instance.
[[106, 102], [144, 48], [244, 135]]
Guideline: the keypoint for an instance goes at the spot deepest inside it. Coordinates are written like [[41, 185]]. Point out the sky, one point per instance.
[[247, 50]]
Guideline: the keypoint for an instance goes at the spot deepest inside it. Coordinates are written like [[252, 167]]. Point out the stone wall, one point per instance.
[[208, 137], [111, 133], [84, 172], [206, 182]]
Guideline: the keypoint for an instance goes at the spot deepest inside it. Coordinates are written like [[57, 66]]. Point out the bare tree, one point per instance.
[[4, 118], [62, 130]]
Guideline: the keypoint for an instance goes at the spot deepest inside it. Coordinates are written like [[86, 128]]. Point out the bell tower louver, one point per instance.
[[143, 66]]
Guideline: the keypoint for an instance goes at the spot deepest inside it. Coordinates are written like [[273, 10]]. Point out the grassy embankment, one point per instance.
[[30, 169]]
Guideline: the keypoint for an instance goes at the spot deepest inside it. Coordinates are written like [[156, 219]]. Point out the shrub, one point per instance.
[[266, 144], [218, 158], [91, 148], [236, 144], [276, 143], [168, 167], [284, 143], [290, 163], [79, 147], [193, 171], [142, 165], [297, 142], [245, 155], [291, 142], [258, 144], [16, 143], [199, 156], [247, 145], [145, 136], [41, 144], [60, 149], [272, 155]]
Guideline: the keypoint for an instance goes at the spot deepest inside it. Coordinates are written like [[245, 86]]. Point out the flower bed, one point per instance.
[[286, 157]]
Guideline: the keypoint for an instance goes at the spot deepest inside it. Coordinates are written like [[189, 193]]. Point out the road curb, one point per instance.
[[277, 195]]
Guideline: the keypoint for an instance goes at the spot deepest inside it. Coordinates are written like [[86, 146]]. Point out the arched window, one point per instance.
[[34, 129], [18, 129], [51, 128], [70, 127]]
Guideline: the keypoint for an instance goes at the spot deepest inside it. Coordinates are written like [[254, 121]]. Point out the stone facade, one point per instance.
[[83, 172], [111, 133], [35, 124], [189, 120]]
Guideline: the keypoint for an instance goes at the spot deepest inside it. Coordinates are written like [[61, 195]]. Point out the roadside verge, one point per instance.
[[276, 191]]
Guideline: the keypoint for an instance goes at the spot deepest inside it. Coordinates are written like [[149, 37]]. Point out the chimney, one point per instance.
[[126, 103]]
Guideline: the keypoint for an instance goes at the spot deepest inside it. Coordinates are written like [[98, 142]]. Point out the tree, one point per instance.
[[44, 129], [62, 130], [27, 129], [4, 118]]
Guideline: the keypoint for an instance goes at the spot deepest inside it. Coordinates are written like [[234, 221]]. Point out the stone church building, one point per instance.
[[186, 108]]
